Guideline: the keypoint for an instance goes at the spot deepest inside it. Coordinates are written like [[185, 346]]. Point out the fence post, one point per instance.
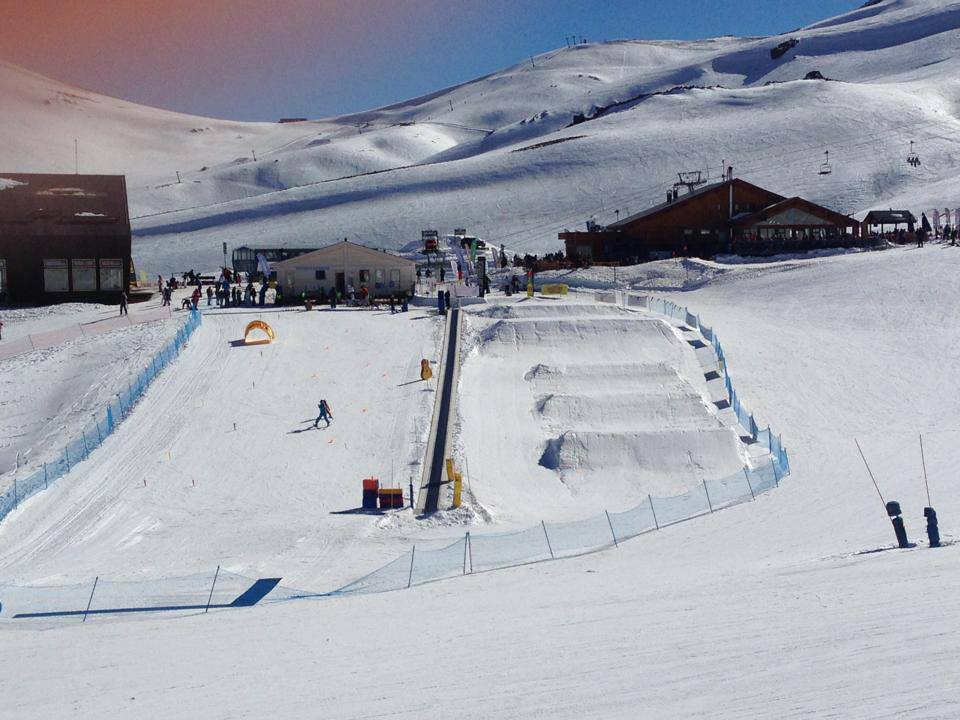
[[610, 523], [16, 496], [66, 454], [466, 541], [210, 596], [470, 552], [749, 484], [413, 554], [44, 476], [776, 480], [707, 493], [95, 581], [86, 448], [650, 498], [549, 546]]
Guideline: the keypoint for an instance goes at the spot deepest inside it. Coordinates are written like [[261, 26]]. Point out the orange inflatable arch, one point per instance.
[[263, 327]]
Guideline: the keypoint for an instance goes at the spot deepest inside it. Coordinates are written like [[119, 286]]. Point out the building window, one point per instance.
[[320, 275], [111, 274], [379, 276], [364, 276], [394, 278], [56, 276], [84, 274]]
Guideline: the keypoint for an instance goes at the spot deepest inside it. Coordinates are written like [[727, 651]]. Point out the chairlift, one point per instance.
[[825, 168], [912, 158]]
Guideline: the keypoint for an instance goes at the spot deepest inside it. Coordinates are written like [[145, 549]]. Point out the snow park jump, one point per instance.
[[263, 327]]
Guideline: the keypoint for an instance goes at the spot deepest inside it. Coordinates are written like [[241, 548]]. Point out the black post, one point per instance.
[[90, 601], [210, 596], [893, 510], [933, 530]]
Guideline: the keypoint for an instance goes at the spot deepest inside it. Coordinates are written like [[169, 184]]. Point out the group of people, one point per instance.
[[926, 233]]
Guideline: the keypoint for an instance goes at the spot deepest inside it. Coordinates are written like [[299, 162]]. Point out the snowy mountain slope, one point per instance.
[[447, 159]]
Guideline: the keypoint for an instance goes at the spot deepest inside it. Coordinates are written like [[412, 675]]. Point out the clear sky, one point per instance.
[[265, 59]]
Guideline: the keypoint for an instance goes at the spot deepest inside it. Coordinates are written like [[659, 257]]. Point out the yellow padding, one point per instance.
[[259, 325], [555, 289]]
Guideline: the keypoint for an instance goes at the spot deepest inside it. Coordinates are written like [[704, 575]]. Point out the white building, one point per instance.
[[346, 264]]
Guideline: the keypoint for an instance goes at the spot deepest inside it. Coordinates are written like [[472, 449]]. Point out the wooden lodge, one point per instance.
[[731, 216], [63, 238]]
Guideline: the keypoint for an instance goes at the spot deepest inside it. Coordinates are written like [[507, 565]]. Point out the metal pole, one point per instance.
[[44, 476], [707, 493], [925, 482], [776, 479], [650, 498], [549, 546], [16, 496], [470, 551], [210, 596], [610, 523], [466, 541], [749, 485], [413, 554], [90, 601], [66, 454], [871, 474]]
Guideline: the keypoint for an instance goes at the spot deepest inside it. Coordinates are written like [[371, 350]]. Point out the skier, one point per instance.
[[325, 414], [123, 303]]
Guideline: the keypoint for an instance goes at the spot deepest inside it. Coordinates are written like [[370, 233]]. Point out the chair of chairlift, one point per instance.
[[912, 158], [825, 168]]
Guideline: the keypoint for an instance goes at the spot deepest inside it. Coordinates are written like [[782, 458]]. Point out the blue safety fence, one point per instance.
[[745, 418], [475, 553], [93, 436]]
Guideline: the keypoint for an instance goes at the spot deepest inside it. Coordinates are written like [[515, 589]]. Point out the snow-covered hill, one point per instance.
[[504, 154]]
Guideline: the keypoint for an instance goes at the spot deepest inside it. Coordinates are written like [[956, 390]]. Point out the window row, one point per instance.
[[82, 274]]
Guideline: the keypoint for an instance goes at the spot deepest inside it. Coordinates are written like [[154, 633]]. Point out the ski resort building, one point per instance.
[[63, 238], [345, 264], [732, 216]]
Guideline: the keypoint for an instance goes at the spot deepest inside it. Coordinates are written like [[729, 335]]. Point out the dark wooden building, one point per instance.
[[732, 216], [63, 238]]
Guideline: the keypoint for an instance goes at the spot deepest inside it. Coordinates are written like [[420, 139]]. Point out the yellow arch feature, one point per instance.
[[259, 325]]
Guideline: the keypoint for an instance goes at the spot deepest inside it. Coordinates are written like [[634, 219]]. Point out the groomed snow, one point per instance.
[[771, 609]]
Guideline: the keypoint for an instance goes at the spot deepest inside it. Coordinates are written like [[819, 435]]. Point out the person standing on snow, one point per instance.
[[325, 414], [123, 303]]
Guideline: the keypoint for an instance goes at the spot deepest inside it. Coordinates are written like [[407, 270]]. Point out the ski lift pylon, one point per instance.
[[825, 168]]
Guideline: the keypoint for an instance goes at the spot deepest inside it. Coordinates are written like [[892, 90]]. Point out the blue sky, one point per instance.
[[265, 59]]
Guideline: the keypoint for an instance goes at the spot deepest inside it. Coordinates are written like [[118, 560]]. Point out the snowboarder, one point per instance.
[[325, 414], [123, 303]]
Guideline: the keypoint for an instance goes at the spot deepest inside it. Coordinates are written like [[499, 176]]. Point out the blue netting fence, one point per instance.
[[766, 437], [475, 553], [93, 436]]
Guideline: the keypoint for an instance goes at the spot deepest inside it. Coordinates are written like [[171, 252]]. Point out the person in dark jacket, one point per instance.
[[123, 303], [325, 414]]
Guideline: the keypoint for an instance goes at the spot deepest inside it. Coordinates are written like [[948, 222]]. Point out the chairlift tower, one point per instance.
[[690, 180]]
